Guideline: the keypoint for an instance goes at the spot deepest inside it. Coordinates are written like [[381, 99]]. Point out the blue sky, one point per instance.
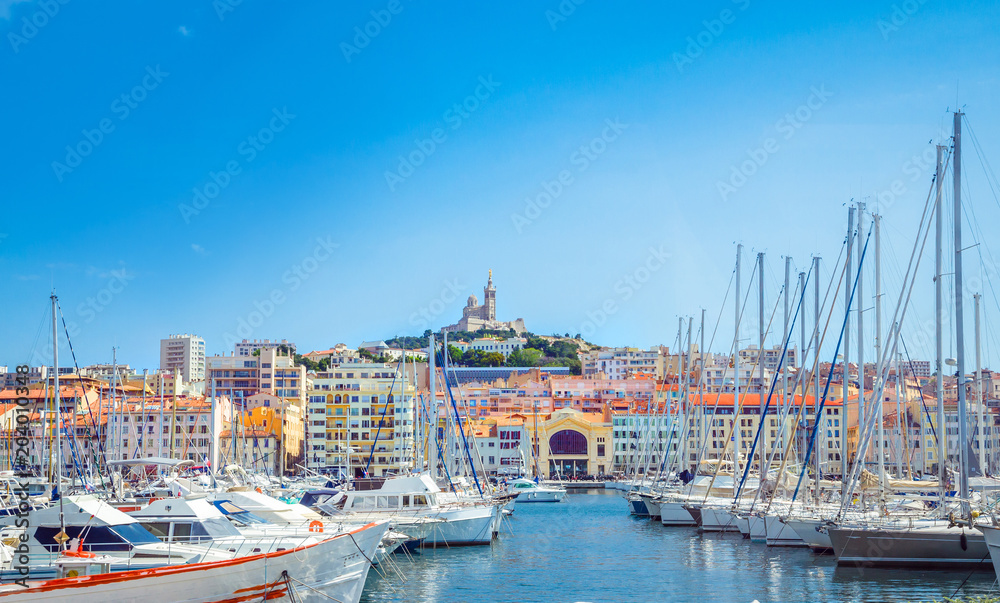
[[361, 182]]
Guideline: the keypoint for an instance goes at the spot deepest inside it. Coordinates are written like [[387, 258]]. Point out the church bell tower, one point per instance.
[[490, 299]]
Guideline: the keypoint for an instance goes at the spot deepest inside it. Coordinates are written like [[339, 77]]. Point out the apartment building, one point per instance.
[[183, 355], [620, 363], [361, 420]]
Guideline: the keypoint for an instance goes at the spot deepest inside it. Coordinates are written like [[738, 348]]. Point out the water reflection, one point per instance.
[[589, 549]]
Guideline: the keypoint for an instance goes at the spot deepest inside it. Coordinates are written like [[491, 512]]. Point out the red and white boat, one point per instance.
[[333, 569]]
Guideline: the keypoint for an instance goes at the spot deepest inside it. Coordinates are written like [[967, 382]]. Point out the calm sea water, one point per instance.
[[588, 548]]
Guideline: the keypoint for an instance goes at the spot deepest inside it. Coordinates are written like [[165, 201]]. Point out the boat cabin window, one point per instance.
[[363, 502], [419, 500], [160, 529], [406, 500], [392, 502], [182, 532]]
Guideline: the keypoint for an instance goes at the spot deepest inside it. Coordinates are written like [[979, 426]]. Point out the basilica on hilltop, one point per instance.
[[476, 317]]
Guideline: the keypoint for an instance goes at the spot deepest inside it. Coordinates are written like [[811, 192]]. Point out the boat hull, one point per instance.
[[335, 568], [717, 519], [674, 514], [808, 530], [927, 548], [779, 533]]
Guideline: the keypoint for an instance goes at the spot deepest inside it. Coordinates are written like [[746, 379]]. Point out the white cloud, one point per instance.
[[198, 249], [5, 7], [184, 30]]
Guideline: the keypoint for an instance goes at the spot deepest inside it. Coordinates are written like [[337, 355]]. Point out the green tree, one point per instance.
[[455, 354]]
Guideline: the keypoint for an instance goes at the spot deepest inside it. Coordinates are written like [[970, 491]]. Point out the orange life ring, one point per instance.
[[84, 554], [259, 491], [315, 526]]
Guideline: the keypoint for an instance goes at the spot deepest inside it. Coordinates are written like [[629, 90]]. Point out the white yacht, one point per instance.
[[405, 499], [528, 491]]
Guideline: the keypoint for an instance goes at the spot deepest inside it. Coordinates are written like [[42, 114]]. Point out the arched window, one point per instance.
[[337, 399], [568, 441]]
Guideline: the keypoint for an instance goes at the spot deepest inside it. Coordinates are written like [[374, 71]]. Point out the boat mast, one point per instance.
[[938, 319], [815, 378], [800, 357], [876, 386], [432, 414], [861, 325], [683, 392], [58, 405], [762, 473], [963, 491], [979, 391], [786, 336], [737, 444], [844, 413]]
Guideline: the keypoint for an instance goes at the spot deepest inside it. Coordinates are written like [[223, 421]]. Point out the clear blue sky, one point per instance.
[[184, 89]]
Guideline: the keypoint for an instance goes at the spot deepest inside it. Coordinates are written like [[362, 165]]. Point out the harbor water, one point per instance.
[[588, 548]]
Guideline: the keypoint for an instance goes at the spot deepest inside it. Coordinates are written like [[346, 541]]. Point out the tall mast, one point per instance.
[[58, 404], [979, 391], [800, 357], [737, 444], [682, 410], [963, 438], [701, 373], [145, 373], [687, 381], [844, 413], [876, 386], [818, 444], [861, 323], [942, 454], [432, 414], [159, 436], [760, 363], [786, 336]]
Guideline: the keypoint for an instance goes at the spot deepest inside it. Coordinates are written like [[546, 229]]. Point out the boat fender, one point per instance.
[[315, 526], [964, 540]]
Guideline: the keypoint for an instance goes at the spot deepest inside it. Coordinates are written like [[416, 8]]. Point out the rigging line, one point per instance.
[[385, 408], [461, 428], [90, 410], [829, 379], [760, 357], [920, 392], [973, 223], [897, 320], [762, 472], [991, 177], [38, 334], [737, 400], [704, 446]]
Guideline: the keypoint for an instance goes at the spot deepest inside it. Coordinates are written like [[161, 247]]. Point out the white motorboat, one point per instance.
[[528, 491]]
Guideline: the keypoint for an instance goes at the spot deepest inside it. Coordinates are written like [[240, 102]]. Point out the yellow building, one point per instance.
[[360, 420], [568, 442]]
